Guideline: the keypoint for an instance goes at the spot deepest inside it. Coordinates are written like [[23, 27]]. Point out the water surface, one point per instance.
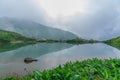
[[50, 55]]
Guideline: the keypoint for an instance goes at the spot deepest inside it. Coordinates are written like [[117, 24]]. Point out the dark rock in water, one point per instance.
[[29, 60]]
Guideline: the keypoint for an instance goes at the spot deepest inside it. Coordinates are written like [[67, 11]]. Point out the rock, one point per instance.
[[29, 60]]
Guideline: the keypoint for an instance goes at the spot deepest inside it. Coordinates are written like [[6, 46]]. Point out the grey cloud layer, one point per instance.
[[102, 21], [21, 9]]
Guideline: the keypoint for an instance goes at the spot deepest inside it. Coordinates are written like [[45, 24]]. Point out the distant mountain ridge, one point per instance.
[[34, 30]]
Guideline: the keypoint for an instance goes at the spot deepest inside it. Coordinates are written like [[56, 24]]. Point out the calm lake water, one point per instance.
[[50, 55]]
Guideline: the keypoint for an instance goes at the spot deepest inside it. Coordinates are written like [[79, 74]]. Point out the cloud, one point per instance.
[[100, 21], [27, 9]]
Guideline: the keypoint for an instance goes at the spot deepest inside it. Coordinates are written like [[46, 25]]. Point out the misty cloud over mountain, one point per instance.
[[104, 23], [34, 30], [101, 21]]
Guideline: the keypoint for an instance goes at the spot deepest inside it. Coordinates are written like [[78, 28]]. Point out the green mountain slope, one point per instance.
[[12, 37], [115, 42]]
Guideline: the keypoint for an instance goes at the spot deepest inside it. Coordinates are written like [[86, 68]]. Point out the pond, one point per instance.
[[50, 55]]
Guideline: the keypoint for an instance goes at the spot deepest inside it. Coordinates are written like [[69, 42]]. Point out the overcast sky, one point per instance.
[[95, 19]]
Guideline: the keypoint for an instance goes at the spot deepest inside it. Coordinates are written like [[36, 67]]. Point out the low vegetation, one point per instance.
[[72, 41], [80, 41], [91, 69]]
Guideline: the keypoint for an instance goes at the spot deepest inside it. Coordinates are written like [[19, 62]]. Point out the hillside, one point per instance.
[[34, 30], [115, 42], [12, 37]]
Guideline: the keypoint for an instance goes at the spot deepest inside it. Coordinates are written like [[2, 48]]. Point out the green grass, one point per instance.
[[12, 37], [115, 42], [91, 69]]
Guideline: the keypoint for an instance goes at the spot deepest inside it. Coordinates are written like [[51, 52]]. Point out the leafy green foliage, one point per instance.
[[91, 69]]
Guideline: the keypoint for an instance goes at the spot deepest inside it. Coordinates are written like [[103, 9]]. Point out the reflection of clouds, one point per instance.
[[53, 59], [32, 51], [116, 52], [80, 52], [16, 67]]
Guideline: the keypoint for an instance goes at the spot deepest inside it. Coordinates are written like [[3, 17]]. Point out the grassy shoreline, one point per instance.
[[91, 69]]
